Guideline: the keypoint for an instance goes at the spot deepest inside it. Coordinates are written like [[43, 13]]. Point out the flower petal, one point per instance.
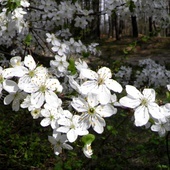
[[79, 104], [127, 101], [155, 111], [29, 62], [104, 73], [10, 86], [45, 122], [141, 116], [113, 85], [104, 94], [106, 111], [133, 92], [149, 94], [37, 99], [87, 73], [89, 86], [71, 135], [8, 99], [98, 124]]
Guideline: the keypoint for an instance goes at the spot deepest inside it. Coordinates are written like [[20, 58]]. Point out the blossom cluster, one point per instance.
[[149, 73], [42, 92]]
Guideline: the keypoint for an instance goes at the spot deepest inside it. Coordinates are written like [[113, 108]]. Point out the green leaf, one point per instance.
[[28, 39], [125, 51], [12, 5], [88, 139], [72, 67]]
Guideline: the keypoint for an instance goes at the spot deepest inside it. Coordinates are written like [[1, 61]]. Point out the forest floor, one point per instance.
[[131, 50]]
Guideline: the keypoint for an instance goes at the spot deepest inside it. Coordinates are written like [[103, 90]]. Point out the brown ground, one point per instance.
[[156, 48]]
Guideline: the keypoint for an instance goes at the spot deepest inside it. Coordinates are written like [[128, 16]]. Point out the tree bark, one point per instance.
[[134, 26]]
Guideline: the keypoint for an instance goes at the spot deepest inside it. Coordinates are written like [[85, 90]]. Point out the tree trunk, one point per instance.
[[116, 25], [134, 26], [150, 27], [96, 22]]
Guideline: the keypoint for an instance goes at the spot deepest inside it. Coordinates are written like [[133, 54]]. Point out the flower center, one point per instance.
[[43, 88], [91, 111], [31, 73], [36, 111], [144, 102], [100, 81], [51, 117]]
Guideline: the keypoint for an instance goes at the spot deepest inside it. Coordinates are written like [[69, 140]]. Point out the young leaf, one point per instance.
[[72, 67], [88, 139]]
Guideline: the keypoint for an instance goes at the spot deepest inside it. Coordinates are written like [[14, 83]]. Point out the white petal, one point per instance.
[[155, 128], [79, 104], [129, 102], [104, 94], [10, 86], [16, 104], [8, 99], [52, 140], [92, 100], [63, 129], [113, 85], [98, 124], [66, 146], [106, 111], [87, 73], [155, 111], [45, 113], [45, 122], [89, 86], [67, 114], [37, 99], [30, 88], [54, 84], [133, 92], [8, 72], [23, 81], [64, 122], [52, 99], [71, 136], [29, 62], [104, 73], [141, 116], [149, 94]]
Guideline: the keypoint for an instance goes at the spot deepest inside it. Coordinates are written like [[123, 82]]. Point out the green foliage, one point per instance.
[[145, 38], [12, 5], [72, 67], [28, 40], [88, 139], [130, 48]]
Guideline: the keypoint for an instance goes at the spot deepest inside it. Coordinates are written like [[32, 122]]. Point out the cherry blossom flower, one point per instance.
[[143, 103], [15, 94], [70, 126], [51, 116], [87, 150], [93, 112], [59, 141], [100, 83]]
